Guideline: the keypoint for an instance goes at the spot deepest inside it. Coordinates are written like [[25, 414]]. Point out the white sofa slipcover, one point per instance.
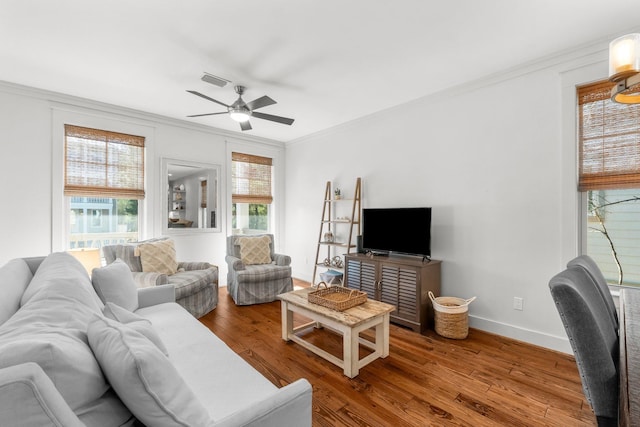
[[55, 305]]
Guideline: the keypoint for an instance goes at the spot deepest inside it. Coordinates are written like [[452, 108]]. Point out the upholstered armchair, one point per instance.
[[195, 283], [593, 338], [256, 273]]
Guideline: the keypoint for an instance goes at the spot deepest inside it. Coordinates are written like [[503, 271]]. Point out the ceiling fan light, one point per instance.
[[239, 114], [624, 57]]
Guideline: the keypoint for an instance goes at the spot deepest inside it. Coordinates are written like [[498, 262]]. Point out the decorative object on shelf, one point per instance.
[[336, 297], [327, 262], [331, 277], [337, 194], [174, 216], [329, 237], [178, 196], [336, 261], [624, 69]]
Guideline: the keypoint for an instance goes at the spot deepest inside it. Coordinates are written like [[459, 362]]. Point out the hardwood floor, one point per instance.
[[484, 380]]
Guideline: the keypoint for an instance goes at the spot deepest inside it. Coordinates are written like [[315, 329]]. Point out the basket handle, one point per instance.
[[322, 283], [351, 293], [468, 301]]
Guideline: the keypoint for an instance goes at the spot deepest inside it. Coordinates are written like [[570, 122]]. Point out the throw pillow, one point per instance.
[[114, 283], [158, 257], [135, 322], [144, 378], [255, 250]]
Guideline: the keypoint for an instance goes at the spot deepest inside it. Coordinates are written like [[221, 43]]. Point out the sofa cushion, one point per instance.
[[158, 257], [50, 330], [255, 250], [144, 378], [61, 275], [14, 278], [135, 322], [114, 283]]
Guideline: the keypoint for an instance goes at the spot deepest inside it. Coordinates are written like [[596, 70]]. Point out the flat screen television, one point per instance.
[[401, 230]]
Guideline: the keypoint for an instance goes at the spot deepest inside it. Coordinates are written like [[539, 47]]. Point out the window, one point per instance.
[[251, 181], [103, 183], [609, 175]]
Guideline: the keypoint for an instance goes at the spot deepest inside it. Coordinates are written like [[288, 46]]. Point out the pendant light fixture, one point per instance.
[[624, 69]]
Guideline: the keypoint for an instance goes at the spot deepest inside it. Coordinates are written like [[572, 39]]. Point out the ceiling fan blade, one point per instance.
[[283, 120], [260, 102], [245, 125], [207, 98], [207, 114]]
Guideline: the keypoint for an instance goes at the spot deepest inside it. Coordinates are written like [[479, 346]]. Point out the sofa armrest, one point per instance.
[[149, 279], [29, 398], [234, 263], [192, 266], [156, 295], [282, 259], [290, 405]]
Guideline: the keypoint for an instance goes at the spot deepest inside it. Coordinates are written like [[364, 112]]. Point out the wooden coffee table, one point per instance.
[[348, 323]]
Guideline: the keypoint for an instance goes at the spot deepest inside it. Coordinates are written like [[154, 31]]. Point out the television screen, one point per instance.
[[402, 230]]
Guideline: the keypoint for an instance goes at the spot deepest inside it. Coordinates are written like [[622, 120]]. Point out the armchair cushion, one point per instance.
[[158, 257], [114, 283], [255, 250], [144, 378]]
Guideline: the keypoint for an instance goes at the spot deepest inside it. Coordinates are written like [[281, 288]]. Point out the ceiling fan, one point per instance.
[[241, 111]]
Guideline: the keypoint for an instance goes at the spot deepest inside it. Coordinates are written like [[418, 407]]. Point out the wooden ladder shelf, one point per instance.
[[329, 225]]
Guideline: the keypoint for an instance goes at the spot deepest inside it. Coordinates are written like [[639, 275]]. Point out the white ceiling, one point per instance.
[[326, 62]]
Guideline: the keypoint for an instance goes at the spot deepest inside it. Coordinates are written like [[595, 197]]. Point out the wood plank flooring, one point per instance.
[[485, 380]]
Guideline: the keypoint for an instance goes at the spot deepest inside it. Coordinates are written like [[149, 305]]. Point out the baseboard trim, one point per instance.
[[553, 342], [541, 339]]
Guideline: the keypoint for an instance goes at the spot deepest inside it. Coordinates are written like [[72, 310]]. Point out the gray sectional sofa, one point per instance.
[[69, 359]]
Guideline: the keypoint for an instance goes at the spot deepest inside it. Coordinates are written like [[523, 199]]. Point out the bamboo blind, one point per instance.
[[251, 179], [608, 140], [103, 163]]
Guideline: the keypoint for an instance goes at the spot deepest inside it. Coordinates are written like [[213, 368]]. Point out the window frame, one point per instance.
[[275, 151], [599, 178], [60, 204]]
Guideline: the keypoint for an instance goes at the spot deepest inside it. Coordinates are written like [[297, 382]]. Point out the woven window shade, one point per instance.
[[608, 140], [103, 163], [251, 179]]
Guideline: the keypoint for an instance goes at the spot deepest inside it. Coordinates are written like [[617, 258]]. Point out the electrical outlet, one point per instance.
[[518, 303]]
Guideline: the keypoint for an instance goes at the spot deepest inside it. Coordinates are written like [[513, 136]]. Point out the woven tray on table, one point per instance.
[[337, 297]]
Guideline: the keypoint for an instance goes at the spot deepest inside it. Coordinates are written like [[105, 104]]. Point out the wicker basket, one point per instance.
[[451, 316], [337, 297]]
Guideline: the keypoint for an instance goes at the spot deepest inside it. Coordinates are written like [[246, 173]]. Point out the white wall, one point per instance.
[[493, 162], [31, 132]]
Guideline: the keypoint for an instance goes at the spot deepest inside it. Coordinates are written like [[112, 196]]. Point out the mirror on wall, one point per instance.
[[191, 193]]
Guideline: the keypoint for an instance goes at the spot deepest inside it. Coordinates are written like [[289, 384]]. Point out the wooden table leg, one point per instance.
[[351, 352], [287, 321], [382, 337]]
